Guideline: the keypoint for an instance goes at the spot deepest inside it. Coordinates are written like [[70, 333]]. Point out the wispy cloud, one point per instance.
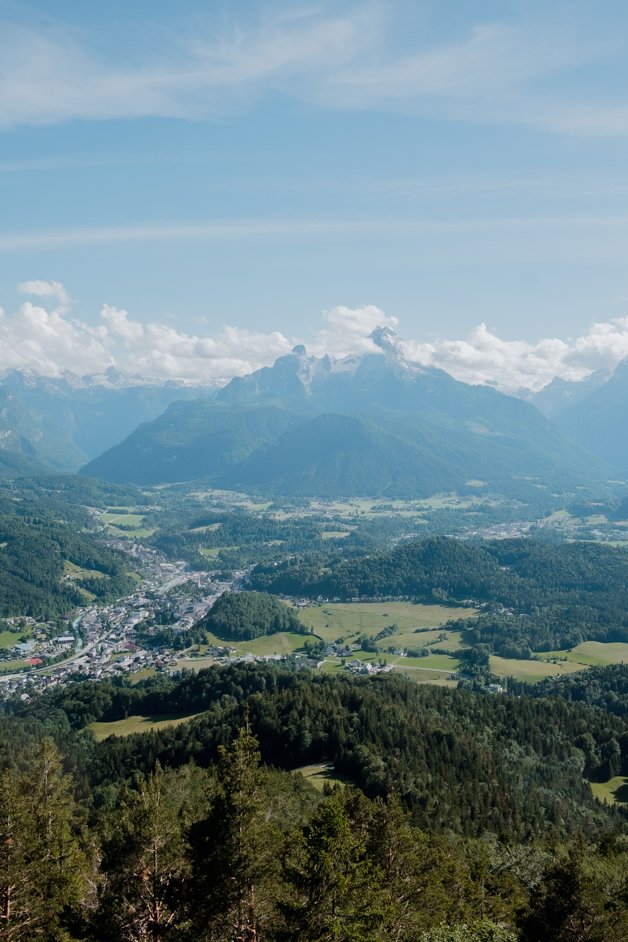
[[50, 341], [242, 229], [361, 59], [282, 228], [46, 79]]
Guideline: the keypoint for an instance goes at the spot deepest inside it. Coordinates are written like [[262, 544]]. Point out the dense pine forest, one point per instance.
[[460, 817], [604, 687], [245, 615], [32, 559]]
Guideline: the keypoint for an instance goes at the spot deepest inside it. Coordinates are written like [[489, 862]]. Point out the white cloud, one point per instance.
[[118, 324], [47, 342], [50, 342], [45, 289], [514, 364]]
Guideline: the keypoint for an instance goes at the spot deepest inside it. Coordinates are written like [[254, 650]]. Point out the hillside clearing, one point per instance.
[[136, 724], [320, 774], [613, 792], [531, 671], [593, 653]]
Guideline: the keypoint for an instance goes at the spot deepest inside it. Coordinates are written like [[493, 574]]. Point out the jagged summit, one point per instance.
[[303, 382], [385, 338]]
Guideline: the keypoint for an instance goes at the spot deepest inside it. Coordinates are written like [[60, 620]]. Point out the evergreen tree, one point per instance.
[[420, 881], [45, 865], [144, 862], [482, 931], [570, 904], [333, 892], [233, 852]]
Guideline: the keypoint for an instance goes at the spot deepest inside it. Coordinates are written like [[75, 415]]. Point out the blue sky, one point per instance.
[[246, 164]]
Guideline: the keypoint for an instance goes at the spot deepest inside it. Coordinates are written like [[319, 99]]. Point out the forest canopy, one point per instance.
[[241, 616]]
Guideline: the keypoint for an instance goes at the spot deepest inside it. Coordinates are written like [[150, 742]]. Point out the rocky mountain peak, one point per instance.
[[386, 339]]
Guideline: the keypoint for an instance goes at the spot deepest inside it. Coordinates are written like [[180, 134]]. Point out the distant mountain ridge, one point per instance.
[[62, 423], [593, 413], [358, 426], [561, 394]]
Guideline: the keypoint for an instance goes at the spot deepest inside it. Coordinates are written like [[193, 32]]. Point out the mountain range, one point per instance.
[[62, 423], [364, 425], [593, 413]]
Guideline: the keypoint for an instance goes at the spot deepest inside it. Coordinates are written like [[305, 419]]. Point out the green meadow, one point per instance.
[[126, 524], [330, 621], [9, 639], [284, 642], [213, 551], [321, 774], [7, 667], [72, 571], [592, 653], [530, 671]]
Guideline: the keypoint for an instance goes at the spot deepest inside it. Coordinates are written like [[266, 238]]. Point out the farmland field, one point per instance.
[[433, 662], [435, 680], [347, 618], [284, 642], [530, 671], [126, 519], [72, 571], [421, 638], [126, 524], [213, 551], [7, 667], [136, 724], [281, 643], [143, 674], [9, 639]]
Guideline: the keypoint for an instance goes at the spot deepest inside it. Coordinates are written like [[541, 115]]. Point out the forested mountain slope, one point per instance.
[[599, 421], [458, 830], [462, 761], [43, 526]]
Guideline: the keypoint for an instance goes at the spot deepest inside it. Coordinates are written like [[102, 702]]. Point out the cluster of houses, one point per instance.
[[37, 642], [365, 668], [103, 642]]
